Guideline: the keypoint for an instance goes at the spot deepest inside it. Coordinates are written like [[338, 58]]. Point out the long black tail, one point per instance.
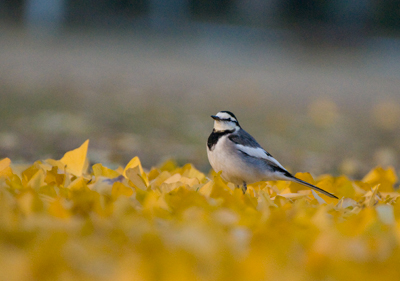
[[314, 187]]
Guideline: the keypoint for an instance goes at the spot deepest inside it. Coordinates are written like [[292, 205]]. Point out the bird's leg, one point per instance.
[[244, 188]]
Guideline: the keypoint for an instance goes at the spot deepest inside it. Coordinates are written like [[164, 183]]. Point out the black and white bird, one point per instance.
[[241, 159]]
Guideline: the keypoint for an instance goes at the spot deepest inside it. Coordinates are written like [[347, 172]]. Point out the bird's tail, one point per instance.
[[313, 187]]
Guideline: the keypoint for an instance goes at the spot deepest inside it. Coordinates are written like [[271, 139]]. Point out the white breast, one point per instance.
[[225, 157]]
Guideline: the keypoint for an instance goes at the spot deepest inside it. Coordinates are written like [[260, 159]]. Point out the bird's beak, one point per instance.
[[215, 117]]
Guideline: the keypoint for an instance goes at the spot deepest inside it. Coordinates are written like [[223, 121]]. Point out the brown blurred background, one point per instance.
[[316, 82]]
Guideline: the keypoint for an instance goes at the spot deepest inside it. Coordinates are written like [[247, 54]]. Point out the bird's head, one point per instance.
[[225, 121]]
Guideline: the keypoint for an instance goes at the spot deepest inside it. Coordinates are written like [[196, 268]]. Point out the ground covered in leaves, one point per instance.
[[63, 220]]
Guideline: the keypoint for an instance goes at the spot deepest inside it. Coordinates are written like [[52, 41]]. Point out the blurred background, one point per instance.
[[316, 82]]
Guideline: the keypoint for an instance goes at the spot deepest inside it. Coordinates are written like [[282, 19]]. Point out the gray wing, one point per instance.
[[252, 156], [254, 153], [245, 139]]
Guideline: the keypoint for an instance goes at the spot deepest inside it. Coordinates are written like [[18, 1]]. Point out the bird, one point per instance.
[[240, 159]]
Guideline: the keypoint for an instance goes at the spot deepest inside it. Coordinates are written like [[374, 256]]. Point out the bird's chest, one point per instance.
[[222, 155]]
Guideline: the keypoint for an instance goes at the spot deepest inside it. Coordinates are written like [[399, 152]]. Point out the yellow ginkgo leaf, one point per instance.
[[37, 180], [4, 163], [319, 199], [134, 175], [190, 171], [184, 226], [345, 203], [53, 177], [155, 183], [385, 214], [56, 163], [385, 177], [295, 187], [265, 201], [76, 161], [29, 202], [206, 189], [119, 189], [5, 169], [14, 182], [25, 202], [135, 162], [373, 196], [28, 173], [292, 195], [181, 179], [57, 209], [220, 188], [100, 170], [78, 184], [168, 166], [153, 174], [343, 187], [173, 179], [190, 181], [152, 202], [168, 187]]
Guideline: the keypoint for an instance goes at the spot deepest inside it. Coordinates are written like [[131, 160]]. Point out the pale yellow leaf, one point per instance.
[[372, 196], [155, 183], [4, 163], [119, 189], [190, 181], [173, 179], [386, 214], [5, 169], [37, 180], [385, 177], [74, 161], [345, 203], [168, 187], [206, 189], [319, 199], [134, 175], [57, 209], [100, 170], [291, 195], [77, 184], [135, 163]]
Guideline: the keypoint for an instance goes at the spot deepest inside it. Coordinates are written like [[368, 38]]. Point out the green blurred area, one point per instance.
[[326, 109]]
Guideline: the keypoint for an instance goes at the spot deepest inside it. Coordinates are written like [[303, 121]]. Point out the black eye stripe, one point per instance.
[[229, 120]]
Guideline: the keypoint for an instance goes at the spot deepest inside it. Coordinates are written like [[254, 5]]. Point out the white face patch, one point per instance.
[[224, 125], [221, 125]]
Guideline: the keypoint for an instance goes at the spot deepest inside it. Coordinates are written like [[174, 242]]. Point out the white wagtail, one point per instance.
[[241, 159]]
